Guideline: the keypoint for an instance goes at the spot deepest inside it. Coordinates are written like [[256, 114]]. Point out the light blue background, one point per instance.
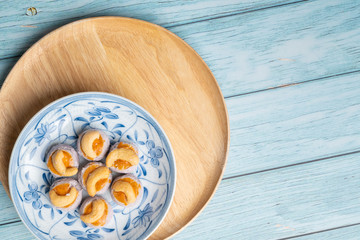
[[289, 71]]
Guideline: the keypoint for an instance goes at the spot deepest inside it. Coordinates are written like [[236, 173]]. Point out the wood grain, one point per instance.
[[8, 212], [5, 67], [294, 124], [348, 233], [283, 203], [20, 31], [325, 120], [325, 113], [146, 64], [263, 137], [316, 39], [252, 51], [17, 231], [278, 46], [277, 204], [324, 116]]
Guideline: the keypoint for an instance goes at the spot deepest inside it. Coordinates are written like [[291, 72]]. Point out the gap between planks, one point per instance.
[[203, 19], [234, 13], [292, 165], [284, 204], [259, 65], [10, 222], [322, 231], [293, 84], [291, 237], [334, 154], [185, 22]]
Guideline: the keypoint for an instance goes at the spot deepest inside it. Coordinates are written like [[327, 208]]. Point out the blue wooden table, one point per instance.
[[290, 73]]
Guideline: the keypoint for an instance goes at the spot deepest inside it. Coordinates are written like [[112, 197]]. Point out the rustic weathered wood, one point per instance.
[[15, 230], [21, 30], [349, 233], [250, 46], [278, 46], [279, 204], [146, 64], [326, 120], [294, 124], [324, 126], [8, 212], [247, 52], [5, 67], [283, 203]]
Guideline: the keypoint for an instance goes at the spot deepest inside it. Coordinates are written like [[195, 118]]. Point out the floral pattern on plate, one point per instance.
[[61, 122]]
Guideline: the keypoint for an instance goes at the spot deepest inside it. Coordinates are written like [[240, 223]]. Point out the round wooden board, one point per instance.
[[146, 64]]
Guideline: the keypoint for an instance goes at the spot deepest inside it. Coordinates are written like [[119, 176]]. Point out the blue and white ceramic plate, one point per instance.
[[61, 122]]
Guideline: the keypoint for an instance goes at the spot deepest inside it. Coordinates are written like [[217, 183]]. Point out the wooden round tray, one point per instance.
[[146, 64]]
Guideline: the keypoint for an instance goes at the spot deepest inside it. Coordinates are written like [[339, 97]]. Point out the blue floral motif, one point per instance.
[[101, 112], [74, 218], [43, 132], [89, 234], [48, 180], [155, 153], [61, 124], [144, 216], [33, 196]]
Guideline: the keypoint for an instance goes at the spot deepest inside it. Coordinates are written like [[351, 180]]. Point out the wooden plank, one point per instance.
[[19, 31], [283, 203], [247, 52], [167, 13], [294, 124], [42, 76], [7, 210], [277, 46], [349, 59], [262, 125], [16, 231], [348, 233], [263, 132], [277, 204], [5, 67]]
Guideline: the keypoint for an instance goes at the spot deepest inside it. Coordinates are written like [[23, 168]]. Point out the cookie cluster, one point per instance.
[[96, 177]]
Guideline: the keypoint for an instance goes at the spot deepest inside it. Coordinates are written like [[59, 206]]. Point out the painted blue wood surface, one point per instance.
[[283, 203], [294, 124], [19, 30], [7, 210], [15, 230], [5, 67], [279, 46], [290, 71], [349, 233], [274, 46]]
